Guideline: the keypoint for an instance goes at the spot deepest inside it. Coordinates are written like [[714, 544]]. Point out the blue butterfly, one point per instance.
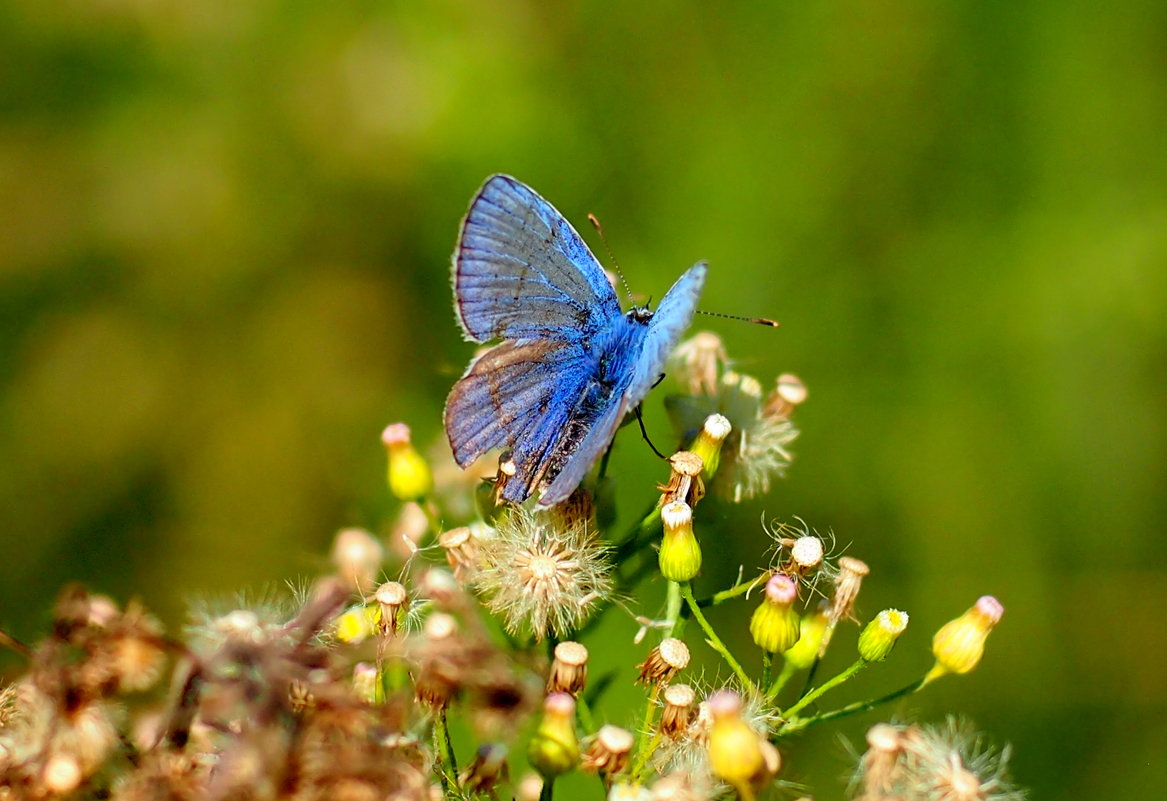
[[571, 363]]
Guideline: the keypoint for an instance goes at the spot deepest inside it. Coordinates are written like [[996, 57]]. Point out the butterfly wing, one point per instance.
[[522, 272], [669, 321], [518, 395]]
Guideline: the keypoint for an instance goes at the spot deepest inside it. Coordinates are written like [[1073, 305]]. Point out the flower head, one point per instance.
[[879, 636], [409, 473], [959, 644], [542, 577]]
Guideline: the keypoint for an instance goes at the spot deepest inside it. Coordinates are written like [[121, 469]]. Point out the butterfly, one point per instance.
[[571, 364]]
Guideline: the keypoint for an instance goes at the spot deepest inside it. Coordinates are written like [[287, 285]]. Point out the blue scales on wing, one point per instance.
[[522, 272]]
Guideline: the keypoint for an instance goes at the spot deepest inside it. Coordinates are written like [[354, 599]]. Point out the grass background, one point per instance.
[[224, 239]]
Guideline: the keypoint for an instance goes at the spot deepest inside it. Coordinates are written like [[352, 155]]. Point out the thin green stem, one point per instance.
[[675, 626], [643, 756], [829, 684], [647, 725], [798, 724], [548, 789], [448, 765], [767, 663], [784, 676], [583, 711], [714, 641]]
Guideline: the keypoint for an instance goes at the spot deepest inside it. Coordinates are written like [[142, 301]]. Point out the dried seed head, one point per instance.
[[881, 765], [393, 601], [529, 788], [788, 394], [806, 553], [357, 556], [608, 751], [441, 587], [680, 709], [488, 768], [439, 626], [62, 774], [685, 483], [664, 662], [541, 577], [461, 551], [569, 668], [851, 574]]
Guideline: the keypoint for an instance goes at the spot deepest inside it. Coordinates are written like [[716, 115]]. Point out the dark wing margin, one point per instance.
[[522, 272]]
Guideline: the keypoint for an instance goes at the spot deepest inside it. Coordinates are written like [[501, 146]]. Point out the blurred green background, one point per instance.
[[225, 231]]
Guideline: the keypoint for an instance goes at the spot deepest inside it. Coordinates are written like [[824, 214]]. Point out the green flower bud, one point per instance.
[[554, 748], [878, 636], [680, 553], [775, 625], [708, 442]]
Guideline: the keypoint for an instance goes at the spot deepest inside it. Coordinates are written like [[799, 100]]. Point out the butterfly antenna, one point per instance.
[[755, 320], [595, 221]]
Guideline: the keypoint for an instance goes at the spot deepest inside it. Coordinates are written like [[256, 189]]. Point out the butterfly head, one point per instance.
[[639, 314]]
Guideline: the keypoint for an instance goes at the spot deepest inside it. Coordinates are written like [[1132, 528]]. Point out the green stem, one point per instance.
[[673, 611], [643, 756], [548, 788], [830, 684], [714, 641], [647, 725], [798, 724], [446, 755], [584, 712], [767, 663], [784, 676]]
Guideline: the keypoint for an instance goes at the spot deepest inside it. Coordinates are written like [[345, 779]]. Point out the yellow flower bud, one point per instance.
[[959, 644], [680, 553], [812, 627], [775, 625], [707, 444], [735, 750], [409, 474], [880, 635], [554, 748]]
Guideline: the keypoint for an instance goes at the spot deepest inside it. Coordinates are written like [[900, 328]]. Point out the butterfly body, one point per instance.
[[571, 363]]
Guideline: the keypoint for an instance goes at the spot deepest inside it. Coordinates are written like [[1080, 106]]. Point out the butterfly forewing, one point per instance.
[[522, 272]]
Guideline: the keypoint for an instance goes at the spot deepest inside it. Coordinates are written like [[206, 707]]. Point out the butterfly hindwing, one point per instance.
[[522, 272]]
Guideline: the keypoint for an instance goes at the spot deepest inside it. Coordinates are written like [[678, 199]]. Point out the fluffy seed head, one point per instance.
[[540, 577]]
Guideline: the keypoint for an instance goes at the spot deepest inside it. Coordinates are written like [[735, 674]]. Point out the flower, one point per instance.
[[680, 553], [409, 473], [553, 748], [959, 645], [879, 636], [774, 624], [541, 577]]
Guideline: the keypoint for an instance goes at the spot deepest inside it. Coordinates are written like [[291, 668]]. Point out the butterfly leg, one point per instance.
[[644, 433]]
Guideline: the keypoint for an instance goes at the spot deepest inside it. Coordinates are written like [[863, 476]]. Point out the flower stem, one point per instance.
[[784, 676], [829, 684], [548, 788], [767, 662], [714, 641], [584, 712], [448, 766], [673, 611], [798, 724]]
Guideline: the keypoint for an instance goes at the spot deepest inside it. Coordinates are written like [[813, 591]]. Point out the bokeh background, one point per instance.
[[224, 238]]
